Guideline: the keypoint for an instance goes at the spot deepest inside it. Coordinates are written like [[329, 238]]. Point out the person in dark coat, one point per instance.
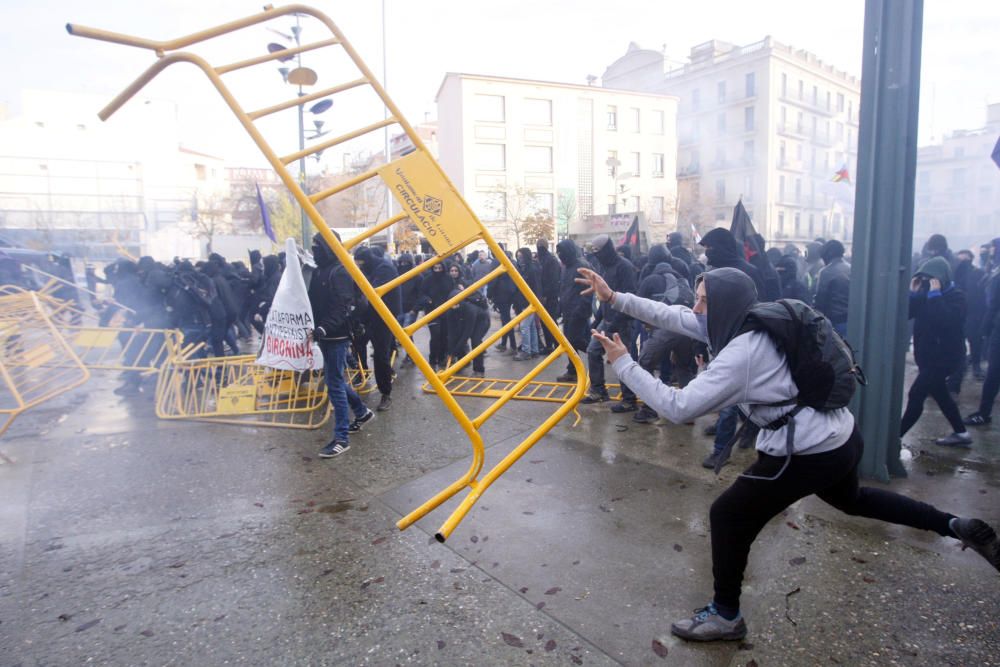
[[265, 290], [500, 293], [937, 309], [222, 328], [618, 272], [332, 297], [772, 285], [528, 268], [576, 308], [434, 291], [468, 322], [379, 271], [791, 287], [658, 254], [991, 333], [549, 271], [814, 264], [723, 250], [833, 288], [971, 280]]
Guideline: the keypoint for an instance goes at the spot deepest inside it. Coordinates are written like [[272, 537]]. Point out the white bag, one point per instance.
[[287, 344]]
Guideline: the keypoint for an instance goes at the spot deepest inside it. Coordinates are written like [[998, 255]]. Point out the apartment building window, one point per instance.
[[748, 119], [634, 204], [781, 153], [491, 157], [635, 165], [720, 156], [695, 99], [781, 188], [721, 88], [612, 117], [798, 224], [850, 138], [826, 130], [748, 152], [612, 205], [720, 190], [634, 119], [658, 206], [850, 110], [798, 189], [491, 206], [815, 95], [612, 163], [538, 159], [659, 122], [798, 153], [828, 98], [815, 122], [958, 178], [802, 89], [784, 85], [840, 131], [784, 118], [812, 226], [537, 112], [490, 108], [751, 84], [657, 165], [542, 203], [959, 151], [781, 222], [840, 101], [800, 123], [720, 123]]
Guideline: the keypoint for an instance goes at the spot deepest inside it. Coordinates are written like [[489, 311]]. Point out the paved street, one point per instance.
[[126, 540]]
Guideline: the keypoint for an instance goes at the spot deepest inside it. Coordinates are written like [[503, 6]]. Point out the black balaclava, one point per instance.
[[658, 254], [605, 251], [730, 293], [787, 269], [722, 248], [543, 249], [567, 251], [322, 254]]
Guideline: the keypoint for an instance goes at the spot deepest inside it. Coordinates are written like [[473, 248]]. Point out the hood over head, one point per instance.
[[937, 244], [366, 259], [787, 269], [936, 267], [542, 245], [405, 259], [626, 251], [322, 253], [832, 250], [659, 254], [773, 255], [604, 250], [814, 251], [523, 256], [722, 248], [729, 293], [681, 268], [567, 252], [675, 239]]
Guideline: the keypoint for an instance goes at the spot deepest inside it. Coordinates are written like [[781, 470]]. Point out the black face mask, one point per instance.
[[714, 256]]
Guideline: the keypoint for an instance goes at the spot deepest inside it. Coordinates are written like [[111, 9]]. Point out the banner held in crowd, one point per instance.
[[288, 343]]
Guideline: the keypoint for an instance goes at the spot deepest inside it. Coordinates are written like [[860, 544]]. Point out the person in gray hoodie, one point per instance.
[[811, 452]]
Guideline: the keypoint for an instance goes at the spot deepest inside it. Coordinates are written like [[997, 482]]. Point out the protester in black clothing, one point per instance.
[[814, 264], [549, 271], [264, 291], [937, 309], [991, 333], [833, 288], [723, 250], [576, 308], [528, 268], [434, 291], [772, 285], [379, 271], [501, 292], [791, 286], [970, 280], [621, 275], [468, 322]]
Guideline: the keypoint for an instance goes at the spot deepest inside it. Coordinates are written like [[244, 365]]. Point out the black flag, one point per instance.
[[632, 235], [744, 232]]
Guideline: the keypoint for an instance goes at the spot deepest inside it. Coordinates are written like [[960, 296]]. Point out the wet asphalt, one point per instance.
[[128, 540]]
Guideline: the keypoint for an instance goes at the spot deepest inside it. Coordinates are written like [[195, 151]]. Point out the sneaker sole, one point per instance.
[[736, 635], [323, 455]]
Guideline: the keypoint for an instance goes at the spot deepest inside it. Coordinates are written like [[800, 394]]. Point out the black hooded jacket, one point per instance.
[[435, 288], [658, 254], [528, 269], [331, 294], [410, 290], [379, 271], [549, 271], [724, 251], [791, 287], [730, 294], [833, 287], [971, 280], [574, 305], [938, 320], [620, 276]]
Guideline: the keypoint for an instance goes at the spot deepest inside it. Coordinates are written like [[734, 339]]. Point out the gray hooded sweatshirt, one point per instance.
[[747, 370]]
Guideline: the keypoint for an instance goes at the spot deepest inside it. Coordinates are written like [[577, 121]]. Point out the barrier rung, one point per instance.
[[372, 231], [385, 288], [340, 187], [339, 140], [487, 342], [443, 308], [305, 99], [250, 62]]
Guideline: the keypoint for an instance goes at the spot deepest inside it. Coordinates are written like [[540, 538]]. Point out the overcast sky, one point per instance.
[[559, 40]]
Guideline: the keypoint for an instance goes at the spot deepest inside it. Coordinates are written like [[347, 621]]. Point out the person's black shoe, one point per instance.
[[645, 415], [566, 377], [385, 403], [361, 421], [711, 429], [595, 397], [976, 419], [978, 535], [710, 460], [624, 406], [333, 449]]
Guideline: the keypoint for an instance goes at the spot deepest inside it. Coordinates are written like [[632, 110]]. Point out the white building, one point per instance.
[[517, 148], [766, 122], [958, 187]]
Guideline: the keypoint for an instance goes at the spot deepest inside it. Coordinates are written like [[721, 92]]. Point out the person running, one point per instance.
[[810, 452]]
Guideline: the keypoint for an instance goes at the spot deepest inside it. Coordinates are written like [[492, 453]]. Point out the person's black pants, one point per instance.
[[595, 360], [552, 308], [577, 332], [505, 317], [992, 383], [930, 382], [745, 507], [382, 344], [439, 342]]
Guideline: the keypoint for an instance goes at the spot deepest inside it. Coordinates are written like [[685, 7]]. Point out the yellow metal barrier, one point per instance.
[[540, 390], [235, 390], [36, 364], [123, 349], [427, 198]]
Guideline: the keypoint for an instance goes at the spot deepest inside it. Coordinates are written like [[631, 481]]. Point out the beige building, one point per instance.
[[766, 122], [958, 187], [519, 149]]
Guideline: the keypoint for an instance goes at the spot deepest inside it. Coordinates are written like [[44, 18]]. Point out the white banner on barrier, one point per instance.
[[287, 343]]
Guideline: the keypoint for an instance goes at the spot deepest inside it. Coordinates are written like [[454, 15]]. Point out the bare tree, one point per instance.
[[210, 214], [538, 226], [519, 208], [566, 211]]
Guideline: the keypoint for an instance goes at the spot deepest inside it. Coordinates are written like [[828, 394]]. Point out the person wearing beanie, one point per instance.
[[833, 287], [937, 309]]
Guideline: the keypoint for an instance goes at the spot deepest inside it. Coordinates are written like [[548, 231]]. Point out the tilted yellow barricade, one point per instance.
[[427, 198]]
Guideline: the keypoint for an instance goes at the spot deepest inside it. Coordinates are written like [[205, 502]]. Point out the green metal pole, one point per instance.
[[883, 224]]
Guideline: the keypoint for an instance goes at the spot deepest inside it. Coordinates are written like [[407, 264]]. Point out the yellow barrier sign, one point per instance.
[[237, 399], [430, 202], [96, 338]]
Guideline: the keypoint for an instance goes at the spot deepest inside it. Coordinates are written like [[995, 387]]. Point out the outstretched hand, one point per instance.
[[613, 347], [595, 284]]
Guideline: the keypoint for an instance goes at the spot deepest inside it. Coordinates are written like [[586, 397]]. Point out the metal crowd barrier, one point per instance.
[[235, 390], [427, 198], [538, 390], [36, 363]]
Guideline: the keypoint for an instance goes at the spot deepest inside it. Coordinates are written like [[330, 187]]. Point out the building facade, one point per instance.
[[765, 122], [957, 192], [522, 150]]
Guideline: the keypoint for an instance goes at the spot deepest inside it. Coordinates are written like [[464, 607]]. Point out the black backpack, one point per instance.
[[821, 362]]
